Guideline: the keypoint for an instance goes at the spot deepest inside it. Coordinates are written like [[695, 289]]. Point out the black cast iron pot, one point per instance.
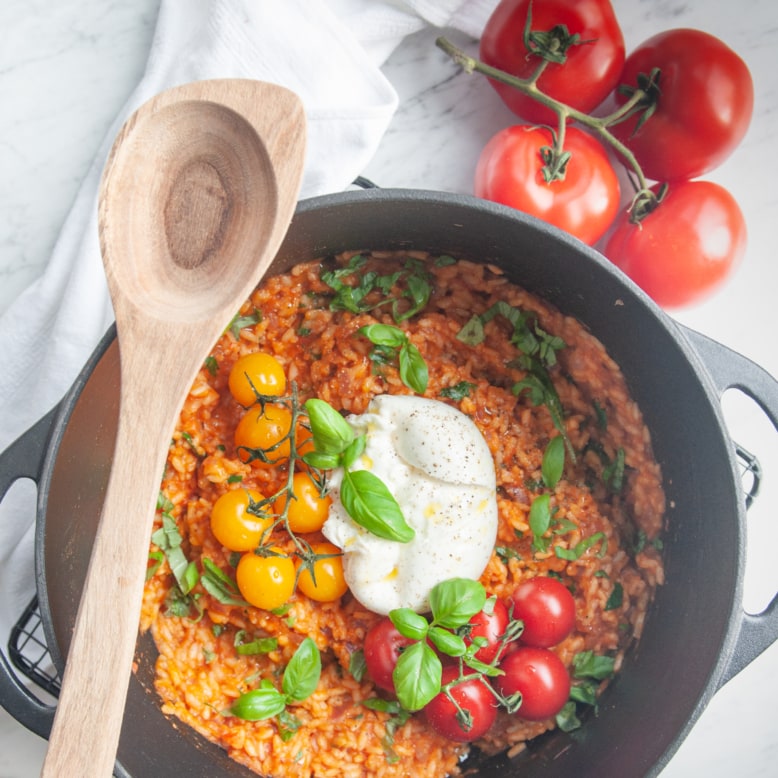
[[697, 635]]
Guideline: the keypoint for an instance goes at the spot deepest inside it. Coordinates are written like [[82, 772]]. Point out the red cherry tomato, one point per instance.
[[491, 627], [584, 203], [383, 644], [704, 107], [547, 609], [540, 677], [686, 248], [592, 67], [473, 697]]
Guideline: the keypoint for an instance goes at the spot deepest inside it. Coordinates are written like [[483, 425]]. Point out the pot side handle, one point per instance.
[[24, 458], [730, 370]]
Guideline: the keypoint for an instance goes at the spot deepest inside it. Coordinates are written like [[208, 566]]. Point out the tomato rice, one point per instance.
[[199, 674]]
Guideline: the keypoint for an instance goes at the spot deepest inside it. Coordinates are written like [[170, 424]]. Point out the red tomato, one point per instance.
[[383, 644], [704, 107], [592, 67], [685, 249], [584, 203], [473, 697], [547, 609], [490, 626], [540, 677]]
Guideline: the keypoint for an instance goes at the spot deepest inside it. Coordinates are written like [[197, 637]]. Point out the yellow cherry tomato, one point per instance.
[[307, 509], [262, 435], [266, 581], [257, 373], [231, 523], [329, 583]]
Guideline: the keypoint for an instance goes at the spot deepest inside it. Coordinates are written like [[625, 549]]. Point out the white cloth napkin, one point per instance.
[[330, 53]]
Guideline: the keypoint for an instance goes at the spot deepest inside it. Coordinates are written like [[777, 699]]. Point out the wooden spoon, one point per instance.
[[195, 199]]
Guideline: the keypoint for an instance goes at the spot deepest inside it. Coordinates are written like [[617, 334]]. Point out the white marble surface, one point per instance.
[[67, 67]]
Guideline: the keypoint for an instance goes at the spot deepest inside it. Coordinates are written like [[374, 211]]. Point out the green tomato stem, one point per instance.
[[598, 125]]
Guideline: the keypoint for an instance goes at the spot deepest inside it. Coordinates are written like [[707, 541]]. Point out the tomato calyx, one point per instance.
[[550, 45], [555, 158], [646, 201], [642, 100]]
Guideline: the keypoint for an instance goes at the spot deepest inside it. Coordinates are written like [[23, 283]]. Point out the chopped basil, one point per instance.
[[613, 474], [211, 365], [219, 585], [616, 597], [239, 322], [357, 665], [457, 391], [580, 548], [407, 291], [253, 647]]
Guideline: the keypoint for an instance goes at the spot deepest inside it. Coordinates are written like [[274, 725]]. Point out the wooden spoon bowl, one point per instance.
[[196, 196]]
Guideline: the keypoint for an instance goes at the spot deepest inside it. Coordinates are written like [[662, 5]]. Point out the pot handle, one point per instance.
[[730, 370], [24, 458]]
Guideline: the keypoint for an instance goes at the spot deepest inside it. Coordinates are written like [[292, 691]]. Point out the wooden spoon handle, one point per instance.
[[102, 648]]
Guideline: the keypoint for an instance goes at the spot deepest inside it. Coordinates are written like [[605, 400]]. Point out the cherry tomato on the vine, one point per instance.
[[592, 67], [329, 584], [540, 677], [264, 430], [266, 581], [475, 699], [491, 626], [547, 609], [584, 203], [683, 250], [231, 523], [307, 510], [704, 105], [383, 644], [256, 373]]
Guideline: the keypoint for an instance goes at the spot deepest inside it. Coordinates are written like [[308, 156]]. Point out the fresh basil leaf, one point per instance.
[[259, 704], [409, 623], [540, 515], [371, 505], [331, 432], [447, 642], [354, 451], [417, 676], [383, 335], [413, 369], [322, 461], [553, 461], [302, 674], [455, 601]]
